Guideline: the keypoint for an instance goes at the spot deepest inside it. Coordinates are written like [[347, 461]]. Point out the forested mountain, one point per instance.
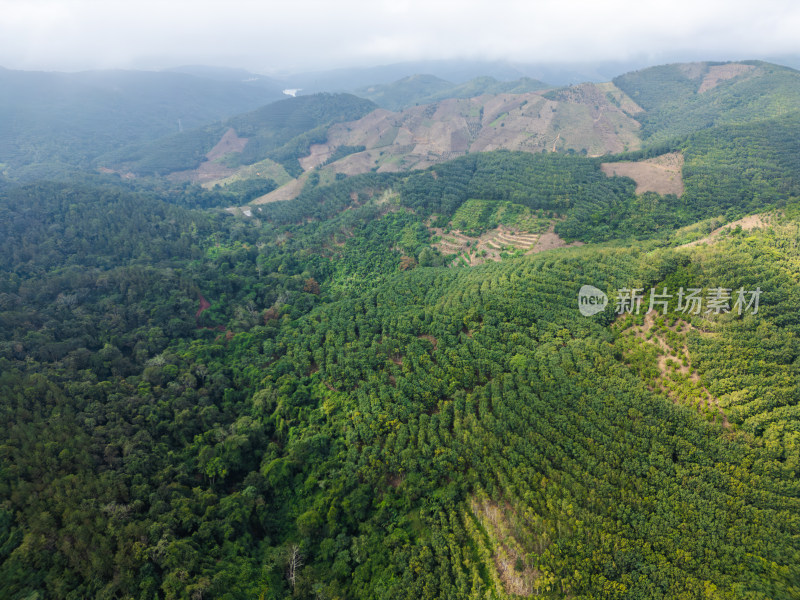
[[341, 135], [424, 89], [387, 387], [59, 122], [462, 70], [591, 119], [682, 98], [282, 132], [230, 74]]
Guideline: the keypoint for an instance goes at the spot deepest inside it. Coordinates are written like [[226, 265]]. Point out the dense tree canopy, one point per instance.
[[306, 403]]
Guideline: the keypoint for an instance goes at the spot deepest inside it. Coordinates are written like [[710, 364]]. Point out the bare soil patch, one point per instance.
[[550, 241], [230, 142], [355, 164], [624, 101], [211, 169], [318, 154], [492, 244], [661, 174], [207, 172], [289, 191], [720, 73], [588, 119], [204, 305]]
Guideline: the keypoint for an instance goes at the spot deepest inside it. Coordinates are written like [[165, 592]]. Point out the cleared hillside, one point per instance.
[[589, 119], [661, 174]]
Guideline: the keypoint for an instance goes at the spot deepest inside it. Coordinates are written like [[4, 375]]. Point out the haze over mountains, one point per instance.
[[460, 71], [420, 120], [94, 113], [67, 119]]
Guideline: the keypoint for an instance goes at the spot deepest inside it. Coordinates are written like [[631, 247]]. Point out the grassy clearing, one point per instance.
[[266, 169], [475, 217]]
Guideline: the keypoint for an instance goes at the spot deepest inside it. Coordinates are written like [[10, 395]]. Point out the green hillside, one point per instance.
[[474, 217], [56, 122], [677, 104], [489, 85], [281, 131], [310, 399]]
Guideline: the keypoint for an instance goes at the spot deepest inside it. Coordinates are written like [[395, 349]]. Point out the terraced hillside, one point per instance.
[[493, 245]]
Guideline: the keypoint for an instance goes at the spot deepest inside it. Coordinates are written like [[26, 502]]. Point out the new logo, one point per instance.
[[591, 300]]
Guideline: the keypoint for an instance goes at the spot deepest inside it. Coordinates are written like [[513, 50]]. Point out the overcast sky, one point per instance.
[[273, 36]]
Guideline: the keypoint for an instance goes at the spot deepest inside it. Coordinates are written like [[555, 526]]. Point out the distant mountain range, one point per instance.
[[148, 123], [53, 123], [427, 120], [460, 71], [425, 89]]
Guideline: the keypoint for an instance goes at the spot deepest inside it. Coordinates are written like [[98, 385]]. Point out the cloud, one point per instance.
[[311, 34]]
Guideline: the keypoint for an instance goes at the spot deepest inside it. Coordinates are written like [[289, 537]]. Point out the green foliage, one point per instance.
[[474, 217], [404, 92], [244, 190], [282, 131], [290, 405], [674, 108], [730, 171], [550, 182], [655, 87], [176, 152], [321, 203], [366, 425], [739, 169]]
